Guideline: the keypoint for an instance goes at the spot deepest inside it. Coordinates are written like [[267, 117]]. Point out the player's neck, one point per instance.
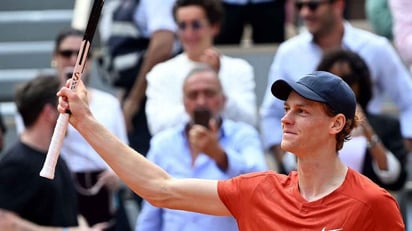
[[318, 180]]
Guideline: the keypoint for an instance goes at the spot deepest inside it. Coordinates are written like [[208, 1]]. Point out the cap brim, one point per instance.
[[282, 88]]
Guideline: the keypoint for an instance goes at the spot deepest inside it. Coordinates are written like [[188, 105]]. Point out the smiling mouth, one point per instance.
[[289, 133]]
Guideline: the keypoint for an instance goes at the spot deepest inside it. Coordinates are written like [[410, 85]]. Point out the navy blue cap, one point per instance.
[[320, 86]]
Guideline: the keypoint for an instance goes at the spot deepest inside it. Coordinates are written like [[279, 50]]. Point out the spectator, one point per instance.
[[376, 148], [198, 22], [267, 18], [322, 194], [379, 16], [142, 34], [326, 29], [37, 202], [225, 150], [95, 182], [402, 28], [3, 130]]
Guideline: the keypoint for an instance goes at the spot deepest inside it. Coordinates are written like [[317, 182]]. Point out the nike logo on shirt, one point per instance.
[[324, 229]]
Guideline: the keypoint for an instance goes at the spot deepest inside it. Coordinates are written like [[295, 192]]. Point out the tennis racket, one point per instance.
[[63, 120]]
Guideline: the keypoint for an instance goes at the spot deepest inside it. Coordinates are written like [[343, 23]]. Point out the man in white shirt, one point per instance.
[[326, 29], [198, 23]]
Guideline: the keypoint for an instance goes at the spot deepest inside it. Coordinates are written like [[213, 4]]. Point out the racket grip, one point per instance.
[[55, 146]]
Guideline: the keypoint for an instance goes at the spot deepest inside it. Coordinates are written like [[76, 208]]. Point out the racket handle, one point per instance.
[[55, 146]]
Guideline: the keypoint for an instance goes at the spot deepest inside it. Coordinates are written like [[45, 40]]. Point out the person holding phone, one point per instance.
[[209, 146]]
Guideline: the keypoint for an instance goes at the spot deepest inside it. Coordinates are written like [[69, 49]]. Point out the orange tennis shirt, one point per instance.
[[271, 201]]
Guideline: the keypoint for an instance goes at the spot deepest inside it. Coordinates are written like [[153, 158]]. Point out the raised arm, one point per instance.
[[142, 176]]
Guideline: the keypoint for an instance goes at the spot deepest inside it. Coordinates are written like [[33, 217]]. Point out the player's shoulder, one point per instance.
[[265, 177], [364, 189]]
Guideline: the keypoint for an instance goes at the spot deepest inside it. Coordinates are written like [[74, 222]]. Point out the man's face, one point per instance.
[[317, 15], [203, 89], [194, 30], [305, 125], [66, 55]]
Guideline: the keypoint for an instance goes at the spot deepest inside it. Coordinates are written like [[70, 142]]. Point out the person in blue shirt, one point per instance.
[[326, 29], [221, 150]]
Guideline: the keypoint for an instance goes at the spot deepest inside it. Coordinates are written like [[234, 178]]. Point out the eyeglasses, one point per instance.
[[195, 25], [312, 5], [69, 53]]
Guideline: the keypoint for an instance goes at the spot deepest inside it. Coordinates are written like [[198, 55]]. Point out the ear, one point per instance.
[[337, 124], [215, 29], [49, 112]]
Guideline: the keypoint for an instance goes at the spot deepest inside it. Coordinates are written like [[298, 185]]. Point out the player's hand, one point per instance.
[[74, 102]]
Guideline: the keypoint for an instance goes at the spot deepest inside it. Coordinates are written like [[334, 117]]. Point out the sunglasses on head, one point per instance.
[[195, 25], [312, 5], [69, 53]]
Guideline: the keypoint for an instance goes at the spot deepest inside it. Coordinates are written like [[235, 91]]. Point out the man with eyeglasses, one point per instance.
[[95, 183], [209, 148], [198, 22], [326, 29]]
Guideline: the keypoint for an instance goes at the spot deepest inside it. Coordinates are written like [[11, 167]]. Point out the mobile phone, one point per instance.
[[202, 116]]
